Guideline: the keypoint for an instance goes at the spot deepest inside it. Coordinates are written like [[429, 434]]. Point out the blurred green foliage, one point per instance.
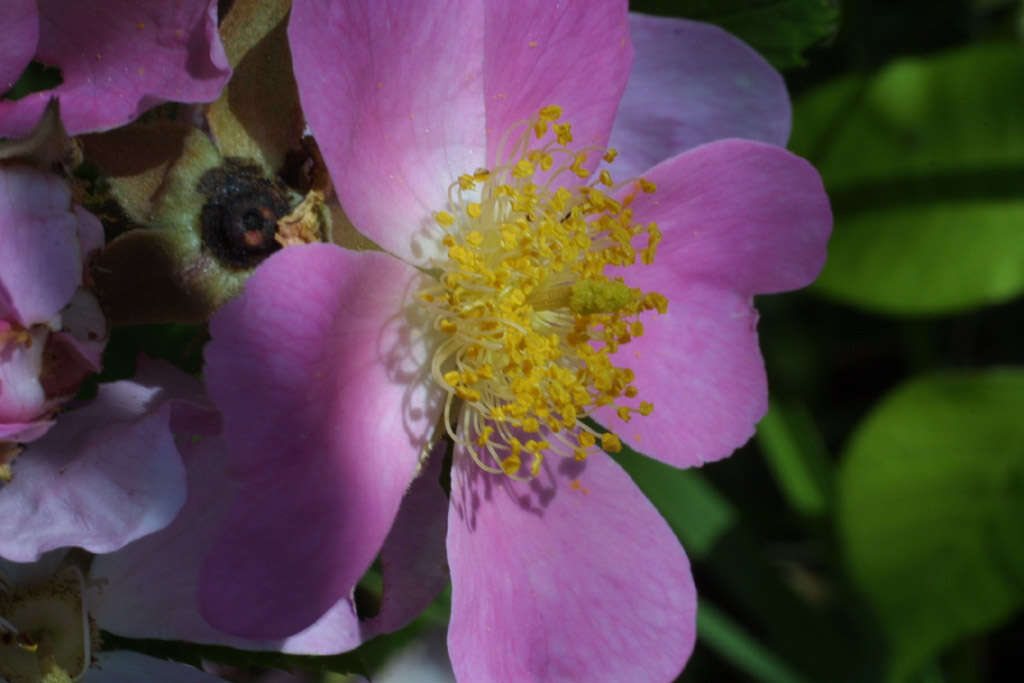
[[924, 162], [931, 499], [781, 30]]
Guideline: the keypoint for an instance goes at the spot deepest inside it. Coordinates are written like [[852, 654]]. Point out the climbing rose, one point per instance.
[[520, 288]]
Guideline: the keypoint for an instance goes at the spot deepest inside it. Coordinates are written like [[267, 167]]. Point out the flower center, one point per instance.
[[45, 633], [530, 318]]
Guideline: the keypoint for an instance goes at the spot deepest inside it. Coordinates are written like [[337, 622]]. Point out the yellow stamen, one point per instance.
[[531, 320]]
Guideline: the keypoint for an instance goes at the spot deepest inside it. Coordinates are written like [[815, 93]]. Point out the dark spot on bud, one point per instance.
[[240, 216]]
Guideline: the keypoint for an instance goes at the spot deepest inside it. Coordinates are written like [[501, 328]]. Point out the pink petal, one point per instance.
[[320, 378], [41, 263], [22, 397], [575, 55], [21, 33], [159, 574], [125, 666], [745, 215], [23, 432], [393, 92], [85, 329], [701, 367], [572, 576], [90, 231], [118, 58], [693, 83], [105, 475], [413, 562]]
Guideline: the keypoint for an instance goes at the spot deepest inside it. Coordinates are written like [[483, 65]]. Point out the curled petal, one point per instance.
[[320, 377], [21, 33], [105, 475], [395, 101], [159, 574], [118, 58]]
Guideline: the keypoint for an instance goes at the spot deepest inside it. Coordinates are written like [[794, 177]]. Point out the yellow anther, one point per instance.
[[522, 169], [475, 238], [447, 326], [466, 182], [605, 178], [586, 439], [452, 378], [538, 460], [636, 328], [577, 165], [653, 300], [540, 128], [444, 218], [510, 465], [481, 175], [551, 113], [484, 437], [471, 395], [531, 425], [645, 408], [647, 186], [536, 447], [474, 210], [563, 132], [623, 413], [610, 442], [610, 155]]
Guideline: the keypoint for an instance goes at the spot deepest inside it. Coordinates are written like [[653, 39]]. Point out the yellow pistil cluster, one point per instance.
[[529, 317]]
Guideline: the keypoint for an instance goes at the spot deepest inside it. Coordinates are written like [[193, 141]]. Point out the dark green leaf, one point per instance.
[[729, 640], [925, 166], [931, 498], [795, 452], [779, 29]]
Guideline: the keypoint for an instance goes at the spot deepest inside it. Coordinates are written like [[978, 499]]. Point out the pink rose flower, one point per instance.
[[117, 58], [521, 289], [51, 329]]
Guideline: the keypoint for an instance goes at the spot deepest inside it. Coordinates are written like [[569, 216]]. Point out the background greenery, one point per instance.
[[874, 530]]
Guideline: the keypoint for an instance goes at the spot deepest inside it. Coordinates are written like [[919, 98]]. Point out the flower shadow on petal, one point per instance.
[[534, 496]]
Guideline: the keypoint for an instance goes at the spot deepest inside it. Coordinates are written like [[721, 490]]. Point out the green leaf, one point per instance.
[[931, 498], [719, 633], [779, 29], [795, 452], [925, 166]]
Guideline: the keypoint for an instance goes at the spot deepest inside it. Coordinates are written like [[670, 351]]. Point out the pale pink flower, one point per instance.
[[117, 59], [51, 329]]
